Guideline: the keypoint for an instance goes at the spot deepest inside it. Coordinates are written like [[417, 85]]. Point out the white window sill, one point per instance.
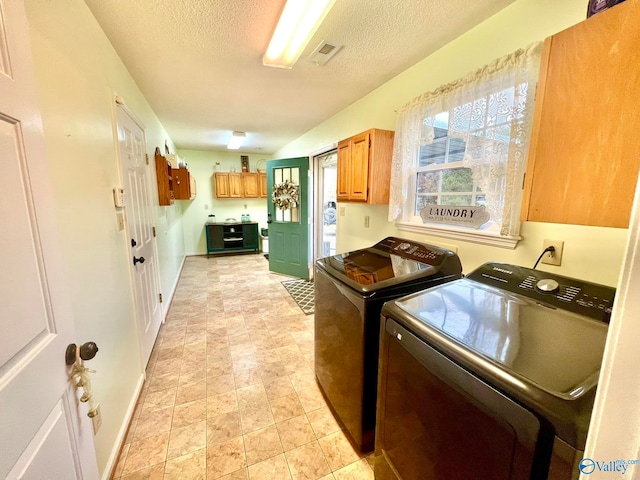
[[493, 239]]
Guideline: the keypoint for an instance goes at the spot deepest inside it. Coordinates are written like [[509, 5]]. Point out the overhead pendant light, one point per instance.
[[299, 21], [236, 140]]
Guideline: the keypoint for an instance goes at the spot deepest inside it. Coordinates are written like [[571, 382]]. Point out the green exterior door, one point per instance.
[[289, 249]]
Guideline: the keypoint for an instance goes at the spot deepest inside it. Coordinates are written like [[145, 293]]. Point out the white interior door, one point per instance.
[[44, 430], [135, 173]]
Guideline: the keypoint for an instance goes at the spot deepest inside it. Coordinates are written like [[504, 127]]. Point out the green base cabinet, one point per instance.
[[232, 237]]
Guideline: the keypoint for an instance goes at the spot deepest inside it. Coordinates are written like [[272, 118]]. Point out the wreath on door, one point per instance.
[[286, 195]]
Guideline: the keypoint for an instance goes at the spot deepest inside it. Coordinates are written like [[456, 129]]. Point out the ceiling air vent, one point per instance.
[[323, 52]]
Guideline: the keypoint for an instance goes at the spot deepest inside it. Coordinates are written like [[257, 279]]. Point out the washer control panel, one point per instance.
[[585, 298], [414, 250]]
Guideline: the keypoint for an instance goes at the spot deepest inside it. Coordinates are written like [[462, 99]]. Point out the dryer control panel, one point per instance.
[[585, 298]]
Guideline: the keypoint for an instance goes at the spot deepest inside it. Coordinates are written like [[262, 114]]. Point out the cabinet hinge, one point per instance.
[[524, 179], [146, 157], [153, 229], [160, 296]]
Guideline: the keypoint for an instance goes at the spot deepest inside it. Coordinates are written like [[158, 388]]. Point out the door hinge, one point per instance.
[[153, 229], [160, 296], [146, 157]]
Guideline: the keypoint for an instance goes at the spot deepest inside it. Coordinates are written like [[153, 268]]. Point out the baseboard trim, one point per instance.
[[167, 301], [124, 429]]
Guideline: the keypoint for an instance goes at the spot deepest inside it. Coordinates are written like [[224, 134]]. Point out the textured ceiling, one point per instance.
[[199, 62]]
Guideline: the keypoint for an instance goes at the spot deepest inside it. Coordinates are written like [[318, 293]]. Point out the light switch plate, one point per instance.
[[120, 220]]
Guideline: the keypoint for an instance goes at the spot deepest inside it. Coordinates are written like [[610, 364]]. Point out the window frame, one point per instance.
[[496, 146]]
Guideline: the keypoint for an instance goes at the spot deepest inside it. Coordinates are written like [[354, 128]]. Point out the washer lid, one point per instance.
[[557, 350], [390, 263]]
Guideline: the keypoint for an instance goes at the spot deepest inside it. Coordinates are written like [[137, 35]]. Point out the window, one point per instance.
[[441, 176], [465, 144]]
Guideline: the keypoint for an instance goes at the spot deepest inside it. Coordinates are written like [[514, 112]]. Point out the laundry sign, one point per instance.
[[455, 215]]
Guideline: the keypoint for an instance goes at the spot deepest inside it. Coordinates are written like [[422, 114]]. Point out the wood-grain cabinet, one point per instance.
[[263, 184], [240, 185], [584, 154], [184, 185], [228, 185], [364, 167], [173, 183], [164, 179]]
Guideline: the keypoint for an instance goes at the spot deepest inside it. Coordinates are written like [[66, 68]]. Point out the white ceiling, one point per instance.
[[199, 62]]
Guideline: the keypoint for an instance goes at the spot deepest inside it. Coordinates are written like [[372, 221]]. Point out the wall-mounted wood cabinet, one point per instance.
[[228, 185], [240, 185], [184, 185], [585, 153], [364, 167], [263, 184], [164, 178], [250, 185]]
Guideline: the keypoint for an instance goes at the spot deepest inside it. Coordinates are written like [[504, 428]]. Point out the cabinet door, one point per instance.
[[263, 185], [181, 188], [215, 238], [235, 185], [222, 185], [250, 236], [584, 155], [250, 185], [359, 180], [344, 160]]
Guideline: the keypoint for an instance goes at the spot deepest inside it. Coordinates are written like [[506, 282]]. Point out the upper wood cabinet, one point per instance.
[[263, 184], [164, 178], [585, 153], [228, 185], [250, 185], [184, 185], [364, 167]]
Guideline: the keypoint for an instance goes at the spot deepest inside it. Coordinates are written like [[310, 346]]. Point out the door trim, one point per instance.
[[315, 183]]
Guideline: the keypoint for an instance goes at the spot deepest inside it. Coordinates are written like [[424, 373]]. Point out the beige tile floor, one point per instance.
[[230, 391]]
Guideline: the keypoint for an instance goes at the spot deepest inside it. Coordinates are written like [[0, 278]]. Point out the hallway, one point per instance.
[[230, 390]]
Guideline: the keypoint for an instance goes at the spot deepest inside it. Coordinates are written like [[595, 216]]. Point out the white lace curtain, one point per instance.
[[491, 110]]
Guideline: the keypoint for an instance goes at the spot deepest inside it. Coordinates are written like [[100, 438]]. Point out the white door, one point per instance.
[[44, 430], [135, 176]]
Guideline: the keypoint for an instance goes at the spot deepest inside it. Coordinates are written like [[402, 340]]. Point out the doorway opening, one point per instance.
[[325, 167]]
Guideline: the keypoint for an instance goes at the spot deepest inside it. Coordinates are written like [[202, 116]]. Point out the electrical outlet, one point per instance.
[[555, 257], [341, 210], [206, 206], [96, 420], [366, 221]]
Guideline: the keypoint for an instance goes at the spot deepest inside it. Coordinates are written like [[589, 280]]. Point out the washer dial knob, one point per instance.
[[548, 285]]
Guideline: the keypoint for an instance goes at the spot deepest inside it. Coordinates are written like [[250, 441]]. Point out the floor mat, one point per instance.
[[302, 292]]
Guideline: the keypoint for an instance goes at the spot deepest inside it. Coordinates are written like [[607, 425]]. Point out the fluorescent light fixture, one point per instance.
[[299, 21], [236, 140]]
